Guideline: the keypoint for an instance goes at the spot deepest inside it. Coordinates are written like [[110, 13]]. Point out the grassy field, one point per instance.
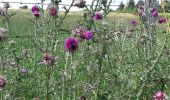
[[101, 69]]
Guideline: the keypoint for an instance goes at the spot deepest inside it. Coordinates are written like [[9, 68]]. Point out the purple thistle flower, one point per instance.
[[155, 13], [36, 11], [98, 16], [133, 22], [89, 35], [53, 11], [71, 44], [86, 35], [159, 95], [162, 20], [154, 9], [35, 8], [2, 82], [48, 59], [83, 98]]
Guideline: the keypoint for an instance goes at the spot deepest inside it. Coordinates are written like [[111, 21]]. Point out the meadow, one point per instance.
[[116, 64]]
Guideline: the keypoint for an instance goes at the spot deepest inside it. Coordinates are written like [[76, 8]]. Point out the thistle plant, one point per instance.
[[94, 57]]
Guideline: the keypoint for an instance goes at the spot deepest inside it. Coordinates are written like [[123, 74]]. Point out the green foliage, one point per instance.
[[166, 7], [131, 4], [131, 8], [24, 7], [121, 6]]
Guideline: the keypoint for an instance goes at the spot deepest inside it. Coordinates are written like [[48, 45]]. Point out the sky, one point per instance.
[[16, 6]]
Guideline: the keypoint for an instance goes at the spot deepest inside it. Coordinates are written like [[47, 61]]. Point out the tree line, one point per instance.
[[131, 6]]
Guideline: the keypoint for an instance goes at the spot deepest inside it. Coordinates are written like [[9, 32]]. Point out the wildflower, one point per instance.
[[53, 11], [83, 98], [23, 71], [79, 30], [98, 16], [88, 35], [71, 44], [80, 3], [133, 22], [3, 31], [36, 11], [160, 96], [154, 12], [48, 59], [162, 20], [2, 82]]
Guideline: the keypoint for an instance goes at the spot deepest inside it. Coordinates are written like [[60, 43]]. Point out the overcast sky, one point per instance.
[[15, 6]]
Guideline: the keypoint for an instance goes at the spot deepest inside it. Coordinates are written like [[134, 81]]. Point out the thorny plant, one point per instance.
[[100, 60]]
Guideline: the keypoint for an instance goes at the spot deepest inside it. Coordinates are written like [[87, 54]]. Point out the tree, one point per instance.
[[131, 4], [24, 7], [121, 6], [131, 8]]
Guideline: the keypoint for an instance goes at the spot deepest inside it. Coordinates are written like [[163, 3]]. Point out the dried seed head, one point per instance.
[[48, 59], [3, 32], [23, 72], [2, 82], [2, 12], [25, 53], [6, 5]]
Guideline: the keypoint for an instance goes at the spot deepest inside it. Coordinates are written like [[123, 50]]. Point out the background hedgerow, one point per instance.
[[120, 62]]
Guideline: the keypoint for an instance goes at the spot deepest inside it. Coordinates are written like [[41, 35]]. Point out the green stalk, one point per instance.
[[65, 69]]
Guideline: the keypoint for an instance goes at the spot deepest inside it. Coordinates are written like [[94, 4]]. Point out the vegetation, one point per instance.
[[53, 55]]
